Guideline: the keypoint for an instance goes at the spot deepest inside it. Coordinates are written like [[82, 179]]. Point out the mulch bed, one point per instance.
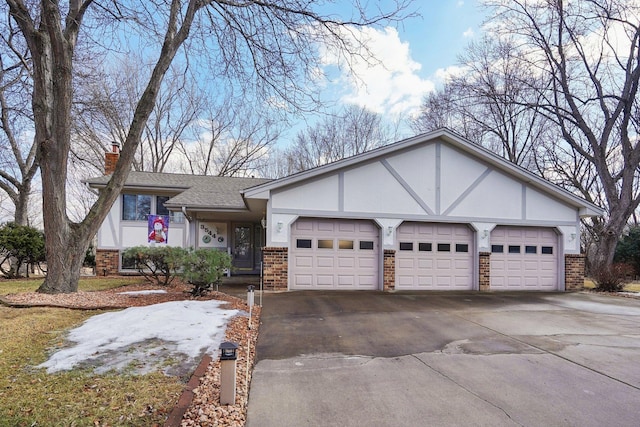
[[199, 404]]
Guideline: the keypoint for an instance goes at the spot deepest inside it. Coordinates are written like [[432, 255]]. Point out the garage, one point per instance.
[[524, 258], [432, 256], [334, 254]]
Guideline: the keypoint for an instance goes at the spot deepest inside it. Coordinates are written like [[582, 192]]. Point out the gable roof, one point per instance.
[[586, 208], [194, 191]]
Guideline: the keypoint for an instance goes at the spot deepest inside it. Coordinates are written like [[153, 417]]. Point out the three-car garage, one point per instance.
[[346, 254]]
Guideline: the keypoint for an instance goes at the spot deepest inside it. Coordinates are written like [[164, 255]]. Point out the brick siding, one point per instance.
[[484, 260], [389, 270], [107, 261], [275, 268], [573, 272]]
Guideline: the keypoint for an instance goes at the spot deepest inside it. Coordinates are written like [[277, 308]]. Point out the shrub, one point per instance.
[[628, 248], [157, 264], [204, 268], [20, 245], [610, 279]]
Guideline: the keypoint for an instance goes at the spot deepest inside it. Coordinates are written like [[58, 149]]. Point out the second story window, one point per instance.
[[136, 207]]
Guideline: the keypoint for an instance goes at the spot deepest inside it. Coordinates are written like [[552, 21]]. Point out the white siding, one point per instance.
[[321, 194]]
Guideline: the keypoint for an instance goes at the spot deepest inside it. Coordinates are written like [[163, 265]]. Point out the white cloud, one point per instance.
[[469, 33], [460, 3], [445, 74], [385, 79]]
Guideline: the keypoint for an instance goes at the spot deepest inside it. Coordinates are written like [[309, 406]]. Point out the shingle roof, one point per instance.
[[195, 191]]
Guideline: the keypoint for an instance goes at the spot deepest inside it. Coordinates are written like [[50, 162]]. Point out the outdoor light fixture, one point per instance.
[[389, 230], [228, 373], [573, 237], [228, 351], [279, 226], [485, 233], [263, 222]]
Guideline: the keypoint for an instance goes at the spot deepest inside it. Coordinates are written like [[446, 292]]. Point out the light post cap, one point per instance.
[[228, 350]]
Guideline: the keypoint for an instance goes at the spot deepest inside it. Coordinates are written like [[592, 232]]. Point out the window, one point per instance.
[[325, 244], [548, 250], [135, 207], [424, 247], [462, 247], [444, 247], [497, 249], [345, 244], [406, 246], [176, 217], [530, 249], [303, 243], [366, 245], [127, 263], [160, 208], [514, 249]]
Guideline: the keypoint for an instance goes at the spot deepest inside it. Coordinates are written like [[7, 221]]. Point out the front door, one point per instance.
[[247, 240]]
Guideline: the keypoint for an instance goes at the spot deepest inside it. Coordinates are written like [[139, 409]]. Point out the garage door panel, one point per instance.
[[303, 261], [364, 263], [334, 259], [346, 262], [425, 263], [528, 269], [324, 262]]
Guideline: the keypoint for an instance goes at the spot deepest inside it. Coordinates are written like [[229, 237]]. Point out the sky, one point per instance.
[[145, 338], [415, 56]]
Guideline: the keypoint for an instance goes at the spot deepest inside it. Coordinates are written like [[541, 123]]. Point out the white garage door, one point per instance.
[[524, 258], [334, 254], [434, 256]]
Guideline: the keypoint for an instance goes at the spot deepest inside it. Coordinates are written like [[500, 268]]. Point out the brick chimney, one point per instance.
[[111, 158]]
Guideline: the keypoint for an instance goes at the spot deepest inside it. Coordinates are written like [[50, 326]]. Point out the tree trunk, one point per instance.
[[21, 215]]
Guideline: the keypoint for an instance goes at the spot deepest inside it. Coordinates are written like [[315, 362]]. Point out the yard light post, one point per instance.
[[228, 358]]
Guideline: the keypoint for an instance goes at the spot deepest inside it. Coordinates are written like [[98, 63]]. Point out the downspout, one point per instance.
[[188, 227]]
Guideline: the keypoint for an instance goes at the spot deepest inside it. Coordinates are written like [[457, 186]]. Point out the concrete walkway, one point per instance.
[[415, 359]]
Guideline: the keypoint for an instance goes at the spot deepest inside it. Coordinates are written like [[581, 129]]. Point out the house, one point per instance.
[[432, 212]]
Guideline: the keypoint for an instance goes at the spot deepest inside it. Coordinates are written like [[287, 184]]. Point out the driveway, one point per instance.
[[441, 359]]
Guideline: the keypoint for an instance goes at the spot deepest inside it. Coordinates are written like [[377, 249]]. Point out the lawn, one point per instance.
[[31, 397]]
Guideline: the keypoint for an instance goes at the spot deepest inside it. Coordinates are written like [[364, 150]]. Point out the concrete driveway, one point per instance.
[[442, 359]]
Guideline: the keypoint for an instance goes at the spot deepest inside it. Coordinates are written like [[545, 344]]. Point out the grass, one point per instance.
[[31, 397], [85, 284]]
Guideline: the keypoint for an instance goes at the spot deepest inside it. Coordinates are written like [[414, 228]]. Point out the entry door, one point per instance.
[[243, 246]]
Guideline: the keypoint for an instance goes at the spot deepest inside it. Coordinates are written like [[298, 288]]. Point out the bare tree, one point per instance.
[[267, 45], [351, 132], [231, 141], [18, 162], [491, 103], [588, 52]]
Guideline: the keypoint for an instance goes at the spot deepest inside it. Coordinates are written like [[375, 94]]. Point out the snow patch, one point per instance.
[[140, 337], [150, 292]]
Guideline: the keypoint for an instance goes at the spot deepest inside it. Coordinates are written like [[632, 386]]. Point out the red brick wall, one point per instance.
[[573, 272], [484, 278], [275, 268], [107, 260], [110, 160], [389, 270]]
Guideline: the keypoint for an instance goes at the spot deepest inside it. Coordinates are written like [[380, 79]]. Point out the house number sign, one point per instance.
[[210, 233]]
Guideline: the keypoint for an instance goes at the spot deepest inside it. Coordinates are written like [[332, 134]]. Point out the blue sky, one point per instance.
[[417, 53]]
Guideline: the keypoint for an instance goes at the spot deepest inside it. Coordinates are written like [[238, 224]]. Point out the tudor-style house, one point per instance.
[[432, 212]]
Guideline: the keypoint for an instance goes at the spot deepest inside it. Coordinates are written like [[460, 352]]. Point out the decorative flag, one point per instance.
[[158, 228]]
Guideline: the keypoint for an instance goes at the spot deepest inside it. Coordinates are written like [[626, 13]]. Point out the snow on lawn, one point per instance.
[[146, 338], [150, 292]]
